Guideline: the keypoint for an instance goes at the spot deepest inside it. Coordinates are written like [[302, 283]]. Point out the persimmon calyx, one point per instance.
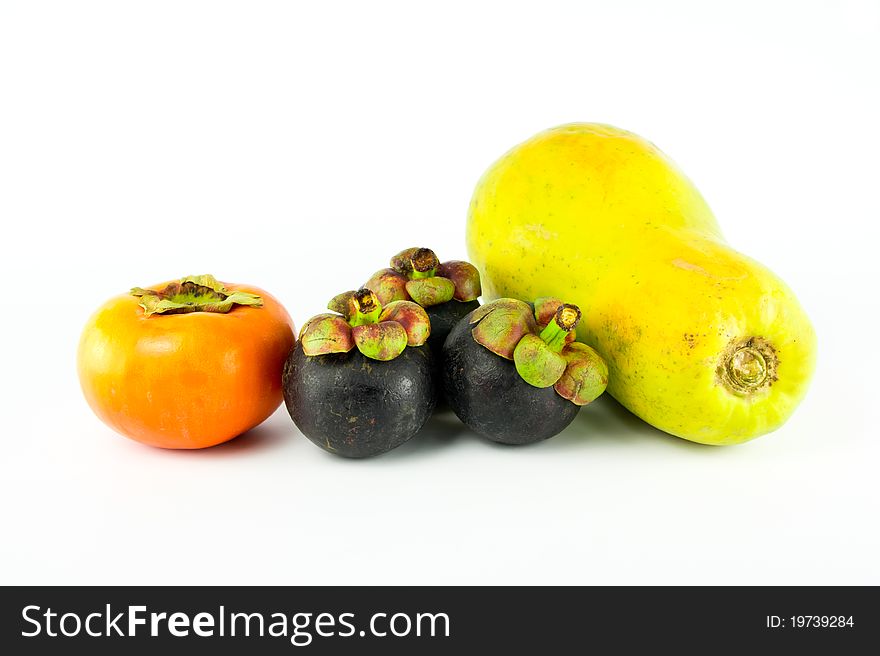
[[193, 294]]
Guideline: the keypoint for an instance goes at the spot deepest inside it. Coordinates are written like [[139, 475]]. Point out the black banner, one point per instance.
[[436, 620]]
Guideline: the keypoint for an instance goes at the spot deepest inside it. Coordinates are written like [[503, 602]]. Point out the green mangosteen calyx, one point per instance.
[[541, 343], [359, 320], [193, 294], [501, 324], [417, 275], [585, 376]]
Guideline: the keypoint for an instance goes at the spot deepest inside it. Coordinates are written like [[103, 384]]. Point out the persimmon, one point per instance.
[[186, 364]]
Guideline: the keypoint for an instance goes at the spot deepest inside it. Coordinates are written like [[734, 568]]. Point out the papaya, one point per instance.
[[701, 341]]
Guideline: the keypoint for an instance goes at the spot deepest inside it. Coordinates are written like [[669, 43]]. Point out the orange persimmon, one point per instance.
[[186, 364]]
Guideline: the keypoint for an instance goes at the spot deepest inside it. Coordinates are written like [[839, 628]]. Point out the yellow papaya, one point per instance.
[[700, 340]]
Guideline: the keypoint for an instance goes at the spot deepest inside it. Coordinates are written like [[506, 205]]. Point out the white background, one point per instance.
[[296, 146]]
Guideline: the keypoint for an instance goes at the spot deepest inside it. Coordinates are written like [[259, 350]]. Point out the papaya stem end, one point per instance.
[[748, 366]]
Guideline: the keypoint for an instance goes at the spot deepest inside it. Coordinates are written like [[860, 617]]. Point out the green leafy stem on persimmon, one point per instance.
[[193, 294]]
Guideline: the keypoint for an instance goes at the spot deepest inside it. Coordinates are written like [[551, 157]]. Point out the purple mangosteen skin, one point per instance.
[[490, 397], [353, 406], [444, 318]]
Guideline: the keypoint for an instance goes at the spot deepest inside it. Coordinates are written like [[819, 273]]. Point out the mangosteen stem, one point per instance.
[[365, 308], [564, 321], [424, 264], [193, 294]]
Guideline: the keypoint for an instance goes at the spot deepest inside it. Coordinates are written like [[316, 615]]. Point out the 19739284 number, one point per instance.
[[821, 621]]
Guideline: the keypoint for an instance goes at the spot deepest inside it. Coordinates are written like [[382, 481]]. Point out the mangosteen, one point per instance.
[[361, 382], [447, 290], [514, 372]]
